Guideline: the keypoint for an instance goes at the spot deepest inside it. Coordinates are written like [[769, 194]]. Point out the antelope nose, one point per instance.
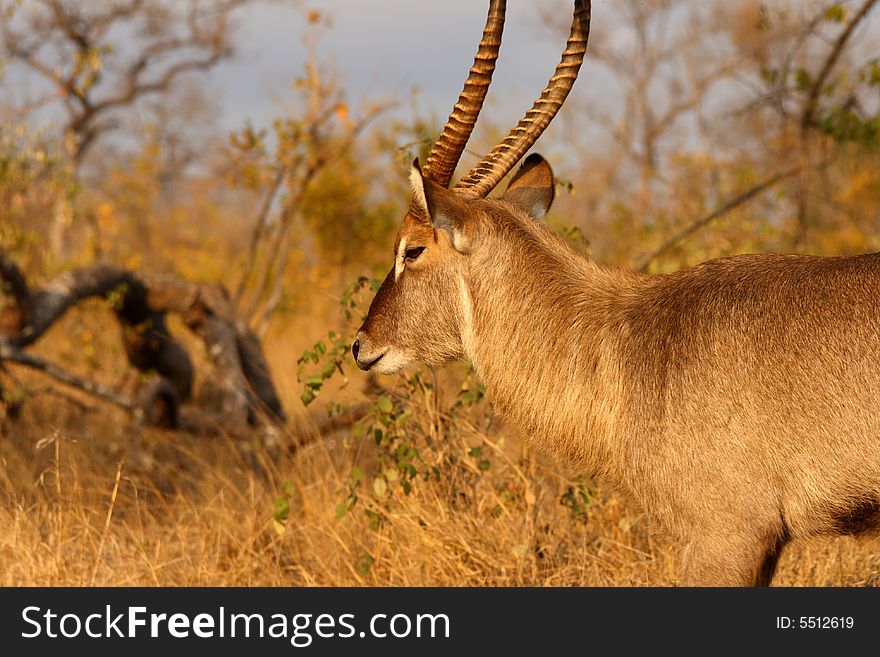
[[355, 348]]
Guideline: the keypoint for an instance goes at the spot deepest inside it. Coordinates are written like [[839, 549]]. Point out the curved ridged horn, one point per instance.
[[483, 178], [447, 151]]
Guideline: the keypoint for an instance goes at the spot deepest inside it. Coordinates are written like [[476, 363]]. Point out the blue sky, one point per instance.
[[382, 49]]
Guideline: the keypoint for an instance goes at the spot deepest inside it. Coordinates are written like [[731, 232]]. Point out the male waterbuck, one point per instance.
[[738, 402]]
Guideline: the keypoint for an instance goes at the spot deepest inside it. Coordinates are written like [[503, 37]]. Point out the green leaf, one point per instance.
[[374, 520], [380, 486], [384, 405], [871, 74], [288, 488], [341, 509], [836, 13], [484, 464], [282, 508], [365, 564], [802, 79]]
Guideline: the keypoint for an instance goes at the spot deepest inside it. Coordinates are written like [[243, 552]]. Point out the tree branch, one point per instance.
[[811, 104], [13, 354], [140, 303], [74, 32], [808, 115], [257, 235], [704, 221]]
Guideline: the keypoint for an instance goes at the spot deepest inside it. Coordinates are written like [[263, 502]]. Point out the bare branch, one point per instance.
[[61, 394], [140, 303], [811, 104], [808, 114], [257, 235], [720, 212], [13, 354], [327, 152], [61, 42]]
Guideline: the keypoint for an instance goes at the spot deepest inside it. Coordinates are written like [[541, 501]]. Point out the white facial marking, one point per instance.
[[391, 362], [467, 318], [398, 260]]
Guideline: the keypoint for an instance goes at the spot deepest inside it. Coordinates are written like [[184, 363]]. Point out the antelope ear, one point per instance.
[[443, 207], [532, 188]]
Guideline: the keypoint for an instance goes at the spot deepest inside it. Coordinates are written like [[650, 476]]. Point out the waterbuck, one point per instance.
[[738, 402]]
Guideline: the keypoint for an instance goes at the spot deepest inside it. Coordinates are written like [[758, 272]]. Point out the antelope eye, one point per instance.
[[413, 253]]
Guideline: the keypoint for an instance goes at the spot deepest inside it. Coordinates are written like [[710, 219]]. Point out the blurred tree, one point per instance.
[[812, 80], [342, 216], [317, 134], [98, 60], [665, 69], [661, 64], [102, 58], [709, 106], [34, 181]]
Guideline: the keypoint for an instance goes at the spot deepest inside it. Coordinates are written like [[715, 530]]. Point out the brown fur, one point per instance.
[[738, 401]]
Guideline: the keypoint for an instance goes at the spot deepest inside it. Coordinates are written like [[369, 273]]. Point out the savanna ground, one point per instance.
[[426, 487]]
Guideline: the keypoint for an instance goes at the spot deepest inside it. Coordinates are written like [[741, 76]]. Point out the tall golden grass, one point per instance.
[[86, 501]]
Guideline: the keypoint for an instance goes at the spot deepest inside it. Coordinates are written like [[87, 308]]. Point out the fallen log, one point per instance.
[[141, 303]]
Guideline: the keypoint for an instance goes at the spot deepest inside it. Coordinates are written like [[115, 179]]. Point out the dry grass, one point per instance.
[[85, 502]]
